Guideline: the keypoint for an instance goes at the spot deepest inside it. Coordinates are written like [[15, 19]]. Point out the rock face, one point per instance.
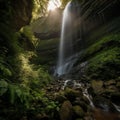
[[47, 30], [96, 29], [17, 13], [97, 86], [22, 12], [66, 111], [97, 37], [104, 104]]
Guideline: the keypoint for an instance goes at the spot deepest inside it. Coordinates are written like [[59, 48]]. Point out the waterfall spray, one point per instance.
[[65, 48]]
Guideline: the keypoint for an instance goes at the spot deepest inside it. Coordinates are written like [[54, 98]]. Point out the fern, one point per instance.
[[12, 93], [3, 87]]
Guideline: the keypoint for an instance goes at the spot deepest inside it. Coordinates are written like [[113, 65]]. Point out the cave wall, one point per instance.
[[16, 13], [98, 37], [93, 19]]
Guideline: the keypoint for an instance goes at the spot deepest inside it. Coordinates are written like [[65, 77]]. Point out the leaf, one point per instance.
[[3, 87], [12, 93]]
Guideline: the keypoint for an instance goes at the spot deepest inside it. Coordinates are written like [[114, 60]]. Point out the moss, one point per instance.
[[66, 111], [72, 94], [104, 43], [105, 65], [78, 111], [47, 51], [103, 58]]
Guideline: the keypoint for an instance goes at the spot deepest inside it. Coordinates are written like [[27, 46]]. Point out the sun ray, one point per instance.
[[53, 4]]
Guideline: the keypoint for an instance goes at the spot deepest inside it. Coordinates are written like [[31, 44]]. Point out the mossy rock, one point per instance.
[[104, 104], [60, 98], [115, 98], [103, 58], [83, 105], [78, 112], [71, 94], [41, 117], [79, 119], [66, 111], [118, 84], [97, 86], [110, 82]]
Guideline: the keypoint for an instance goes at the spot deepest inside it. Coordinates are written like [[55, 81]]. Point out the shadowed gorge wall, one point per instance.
[[94, 21], [17, 13]]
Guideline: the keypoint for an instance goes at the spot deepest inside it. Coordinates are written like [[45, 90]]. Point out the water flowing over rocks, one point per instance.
[[85, 101]]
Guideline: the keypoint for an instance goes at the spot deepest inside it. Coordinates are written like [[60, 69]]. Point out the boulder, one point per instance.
[[66, 111], [110, 82], [115, 98], [60, 98], [104, 104], [78, 112], [79, 119], [97, 86], [112, 87], [71, 94], [118, 85], [41, 117], [82, 104]]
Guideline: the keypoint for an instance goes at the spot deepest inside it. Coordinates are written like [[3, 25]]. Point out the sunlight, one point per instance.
[[53, 4]]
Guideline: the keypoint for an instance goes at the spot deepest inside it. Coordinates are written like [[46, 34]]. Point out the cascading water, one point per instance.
[[65, 48]]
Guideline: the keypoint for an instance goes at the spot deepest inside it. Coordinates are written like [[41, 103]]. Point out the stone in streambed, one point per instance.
[[118, 85], [66, 111], [71, 94], [115, 98], [79, 119], [110, 82], [78, 112], [60, 98], [41, 117], [104, 104], [97, 86], [81, 103]]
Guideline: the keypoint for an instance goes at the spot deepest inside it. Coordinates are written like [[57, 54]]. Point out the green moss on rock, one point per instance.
[[78, 111], [103, 58]]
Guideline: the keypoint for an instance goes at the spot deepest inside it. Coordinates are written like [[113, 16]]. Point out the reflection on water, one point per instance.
[[103, 115]]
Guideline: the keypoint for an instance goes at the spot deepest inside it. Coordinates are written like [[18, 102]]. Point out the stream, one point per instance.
[[98, 114]]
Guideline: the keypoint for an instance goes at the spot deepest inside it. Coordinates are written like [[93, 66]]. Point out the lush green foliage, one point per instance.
[[39, 9], [104, 58], [21, 80]]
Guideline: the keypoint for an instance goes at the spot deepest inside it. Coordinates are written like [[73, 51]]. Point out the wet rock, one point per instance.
[[79, 119], [115, 98], [78, 112], [71, 94], [91, 91], [118, 79], [82, 104], [104, 104], [85, 99], [24, 118], [112, 87], [60, 98], [66, 111], [97, 86], [70, 84], [118, 85], [110, 90], [110, 82], [89, 116], [41, 117]]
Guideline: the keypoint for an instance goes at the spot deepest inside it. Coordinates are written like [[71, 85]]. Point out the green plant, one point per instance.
[[105, 65]]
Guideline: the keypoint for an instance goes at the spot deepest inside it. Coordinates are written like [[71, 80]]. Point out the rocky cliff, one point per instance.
[[96, 31], [99, 27], [47, 30], [16, 13]]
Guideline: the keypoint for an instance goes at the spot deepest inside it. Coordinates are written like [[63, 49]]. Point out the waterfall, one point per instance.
[[65, 48]]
